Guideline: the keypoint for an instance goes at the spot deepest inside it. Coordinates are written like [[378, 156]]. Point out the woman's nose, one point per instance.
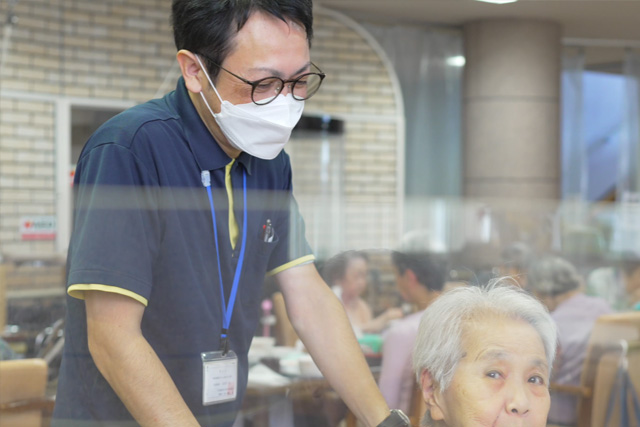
[[518, 402]]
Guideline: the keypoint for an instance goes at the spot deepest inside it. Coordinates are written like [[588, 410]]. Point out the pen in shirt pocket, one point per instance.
[[267, 232]]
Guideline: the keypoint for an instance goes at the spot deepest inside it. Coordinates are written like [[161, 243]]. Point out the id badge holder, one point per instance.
[[219, 377]]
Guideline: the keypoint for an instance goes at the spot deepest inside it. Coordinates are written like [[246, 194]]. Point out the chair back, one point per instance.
[[285, 334], [22, 387], [418, 406], [601, 363], [607, 391]]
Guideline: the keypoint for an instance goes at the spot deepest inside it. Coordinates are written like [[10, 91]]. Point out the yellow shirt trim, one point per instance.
[[233, 224], [296, 262], [77, 291]]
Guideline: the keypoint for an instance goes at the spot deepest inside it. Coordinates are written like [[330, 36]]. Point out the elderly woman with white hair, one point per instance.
[[483, 357], [557, 283]]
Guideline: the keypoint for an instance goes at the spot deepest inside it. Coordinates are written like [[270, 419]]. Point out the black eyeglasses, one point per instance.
[[265, 90]]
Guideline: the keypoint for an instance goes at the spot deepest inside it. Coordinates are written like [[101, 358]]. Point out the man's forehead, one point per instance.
[[259, 24], [278, 73], [269, 42]]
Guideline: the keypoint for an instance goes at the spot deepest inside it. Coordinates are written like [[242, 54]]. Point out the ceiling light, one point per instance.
[[456, 61], [498, 1]]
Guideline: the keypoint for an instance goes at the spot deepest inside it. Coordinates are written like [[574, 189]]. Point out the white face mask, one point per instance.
[[260, 130]]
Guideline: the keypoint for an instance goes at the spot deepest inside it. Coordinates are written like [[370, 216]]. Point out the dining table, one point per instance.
[[311, 399]]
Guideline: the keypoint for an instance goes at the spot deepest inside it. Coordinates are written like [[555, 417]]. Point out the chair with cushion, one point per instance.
[[22, 393]]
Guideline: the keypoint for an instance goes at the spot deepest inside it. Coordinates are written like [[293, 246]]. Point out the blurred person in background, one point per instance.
[[515, 260], [483, 357], [420, 279], [6, 351], [347, 274], [558, 285], [631, 278]]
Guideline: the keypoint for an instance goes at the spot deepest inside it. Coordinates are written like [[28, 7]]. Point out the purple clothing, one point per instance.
[[397, 381], [575, 318]]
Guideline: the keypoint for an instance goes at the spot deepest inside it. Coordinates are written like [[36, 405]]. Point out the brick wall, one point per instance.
[[122, 50], [26, 170], [358, 90]]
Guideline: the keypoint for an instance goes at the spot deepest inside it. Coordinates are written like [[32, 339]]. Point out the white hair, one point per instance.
[[552, 275], [438, 347]]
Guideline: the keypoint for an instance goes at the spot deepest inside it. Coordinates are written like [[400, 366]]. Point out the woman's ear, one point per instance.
[[190, 68], [431, 395]]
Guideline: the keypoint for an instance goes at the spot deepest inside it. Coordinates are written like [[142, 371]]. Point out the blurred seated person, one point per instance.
[[515, 262], [420, 279], [6, 352], [483, 357], [558, 285], [631, 277], [347, 274]]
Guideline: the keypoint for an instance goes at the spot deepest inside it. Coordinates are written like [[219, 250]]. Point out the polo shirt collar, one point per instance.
[[246, 160], [205, 148]]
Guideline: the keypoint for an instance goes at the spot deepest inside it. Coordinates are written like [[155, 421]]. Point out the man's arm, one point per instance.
[[321, 323], [379, 323], [129, 364]]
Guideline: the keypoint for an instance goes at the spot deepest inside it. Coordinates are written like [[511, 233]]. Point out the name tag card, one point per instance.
[[219, 377]]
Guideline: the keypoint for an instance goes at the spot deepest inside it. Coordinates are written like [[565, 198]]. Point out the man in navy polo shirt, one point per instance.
[[183, 204]]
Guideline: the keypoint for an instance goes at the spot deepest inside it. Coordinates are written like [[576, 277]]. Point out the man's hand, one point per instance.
[[381, 322]]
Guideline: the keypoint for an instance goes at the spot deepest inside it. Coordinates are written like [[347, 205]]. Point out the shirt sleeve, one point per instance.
[[292, 248], [115, 236]]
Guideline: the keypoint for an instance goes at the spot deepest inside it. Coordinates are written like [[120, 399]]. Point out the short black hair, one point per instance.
[[428, 267], [208, 27], [336, 267]]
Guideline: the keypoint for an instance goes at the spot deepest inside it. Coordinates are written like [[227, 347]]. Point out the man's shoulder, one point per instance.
[[405, 327], [581, 307], [154, 117], [595, 302]]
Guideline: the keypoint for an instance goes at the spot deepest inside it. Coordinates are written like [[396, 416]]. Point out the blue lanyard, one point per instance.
[[227, 310]]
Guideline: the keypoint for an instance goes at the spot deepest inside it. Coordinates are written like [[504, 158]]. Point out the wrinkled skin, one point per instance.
[[501, 381]]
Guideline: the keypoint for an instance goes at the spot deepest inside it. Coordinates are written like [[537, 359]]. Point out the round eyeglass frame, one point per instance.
[[254, 84]]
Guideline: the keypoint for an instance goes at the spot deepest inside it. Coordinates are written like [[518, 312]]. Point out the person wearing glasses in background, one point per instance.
[[183, 204]]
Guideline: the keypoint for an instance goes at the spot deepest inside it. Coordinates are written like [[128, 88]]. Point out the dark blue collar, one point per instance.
[[205, 148]]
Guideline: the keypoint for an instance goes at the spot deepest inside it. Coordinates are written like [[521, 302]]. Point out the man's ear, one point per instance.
[[190, 68], [431, 395], [411, 276], [635, 275]]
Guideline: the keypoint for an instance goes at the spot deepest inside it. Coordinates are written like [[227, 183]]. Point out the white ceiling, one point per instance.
[[617, 20]]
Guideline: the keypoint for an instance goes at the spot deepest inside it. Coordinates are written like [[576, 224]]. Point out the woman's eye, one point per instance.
[[493, 374], [537, 379]]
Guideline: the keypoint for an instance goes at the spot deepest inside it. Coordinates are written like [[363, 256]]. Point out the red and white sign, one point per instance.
[[38, 227]]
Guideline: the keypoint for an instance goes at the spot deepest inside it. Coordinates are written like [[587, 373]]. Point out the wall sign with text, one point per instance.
[[38, 227]]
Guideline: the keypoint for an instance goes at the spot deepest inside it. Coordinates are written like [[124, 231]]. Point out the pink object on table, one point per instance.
[[267, 306]]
